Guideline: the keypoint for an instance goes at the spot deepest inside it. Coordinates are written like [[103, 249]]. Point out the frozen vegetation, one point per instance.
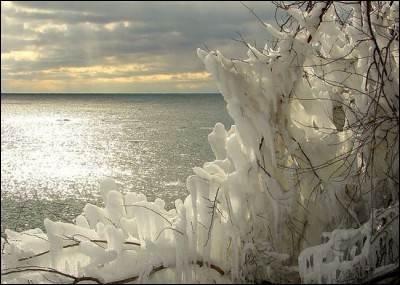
[[304, 186]]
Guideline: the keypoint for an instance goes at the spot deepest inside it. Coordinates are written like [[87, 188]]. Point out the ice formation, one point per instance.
[[304, 186]]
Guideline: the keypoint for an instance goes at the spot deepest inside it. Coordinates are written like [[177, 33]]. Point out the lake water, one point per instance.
[[56, 148]]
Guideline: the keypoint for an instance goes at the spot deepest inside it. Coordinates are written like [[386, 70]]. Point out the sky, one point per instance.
[[122, 47]]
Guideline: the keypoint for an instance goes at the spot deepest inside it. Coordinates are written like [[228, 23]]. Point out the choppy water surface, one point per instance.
[[56, 148]]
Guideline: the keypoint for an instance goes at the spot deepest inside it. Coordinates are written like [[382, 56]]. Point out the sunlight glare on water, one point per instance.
[[55, 149]]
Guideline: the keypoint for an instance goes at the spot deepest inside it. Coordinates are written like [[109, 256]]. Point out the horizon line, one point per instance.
[[127, 93]]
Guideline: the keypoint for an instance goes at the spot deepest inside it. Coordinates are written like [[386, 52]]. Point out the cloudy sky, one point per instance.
[[122, 46]]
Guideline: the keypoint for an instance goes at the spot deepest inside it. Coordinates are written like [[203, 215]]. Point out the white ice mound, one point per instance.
[[106, 185], [353, 254]]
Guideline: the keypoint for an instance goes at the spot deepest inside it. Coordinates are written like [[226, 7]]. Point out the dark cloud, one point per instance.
[[162, 35]]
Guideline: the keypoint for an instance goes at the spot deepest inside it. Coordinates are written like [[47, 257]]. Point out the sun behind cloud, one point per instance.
[[114, 46]]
